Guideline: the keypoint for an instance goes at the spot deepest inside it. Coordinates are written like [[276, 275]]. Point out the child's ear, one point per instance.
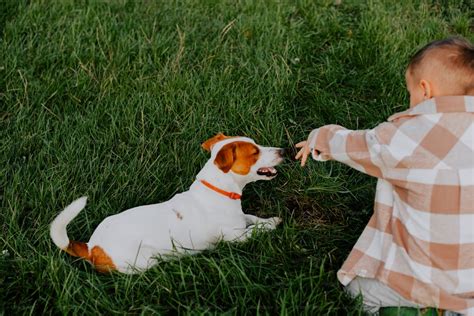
[[207, 145], [427, 89]]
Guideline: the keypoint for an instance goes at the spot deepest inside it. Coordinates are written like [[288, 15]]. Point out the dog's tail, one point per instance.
[[58, 231], [97, 256]]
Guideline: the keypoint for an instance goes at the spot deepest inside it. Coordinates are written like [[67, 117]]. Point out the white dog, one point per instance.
[[191, 221]]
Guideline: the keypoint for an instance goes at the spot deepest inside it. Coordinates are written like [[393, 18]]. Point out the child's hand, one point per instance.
[[303, 153], [306, 147]]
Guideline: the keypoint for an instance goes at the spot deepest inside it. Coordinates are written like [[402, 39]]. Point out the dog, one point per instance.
[[210, 211]]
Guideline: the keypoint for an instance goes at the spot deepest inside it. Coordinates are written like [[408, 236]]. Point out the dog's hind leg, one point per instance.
[[97, 256], [237, 234]]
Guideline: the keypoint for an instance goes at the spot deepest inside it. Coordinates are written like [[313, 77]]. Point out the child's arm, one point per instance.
[[358, 149]]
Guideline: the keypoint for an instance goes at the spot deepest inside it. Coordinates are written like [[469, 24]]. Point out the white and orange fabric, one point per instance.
[[420, 238]]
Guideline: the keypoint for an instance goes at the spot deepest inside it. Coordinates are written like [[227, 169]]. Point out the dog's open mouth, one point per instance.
[[267, 171]]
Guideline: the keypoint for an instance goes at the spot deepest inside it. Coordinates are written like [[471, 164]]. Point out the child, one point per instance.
[[418, 248]]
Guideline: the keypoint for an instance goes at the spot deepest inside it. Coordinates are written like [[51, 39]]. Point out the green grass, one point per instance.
[[111, 99]]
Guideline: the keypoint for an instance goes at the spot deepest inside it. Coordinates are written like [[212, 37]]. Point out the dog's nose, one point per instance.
[[284, 152], [288, 152]]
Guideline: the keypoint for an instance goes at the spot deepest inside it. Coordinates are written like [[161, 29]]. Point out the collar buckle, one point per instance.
[[234, 196]]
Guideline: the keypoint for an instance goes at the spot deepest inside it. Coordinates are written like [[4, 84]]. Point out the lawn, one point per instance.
[[112, 99]]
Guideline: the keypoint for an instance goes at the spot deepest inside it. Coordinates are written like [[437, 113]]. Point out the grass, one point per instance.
[[111, 99]]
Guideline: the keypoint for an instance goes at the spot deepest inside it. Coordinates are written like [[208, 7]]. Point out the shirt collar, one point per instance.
[[444, 104]]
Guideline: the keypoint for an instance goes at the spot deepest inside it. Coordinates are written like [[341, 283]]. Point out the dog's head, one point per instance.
[[241, 156]]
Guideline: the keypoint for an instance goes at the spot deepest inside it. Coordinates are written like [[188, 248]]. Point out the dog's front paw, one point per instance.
[[271, 223], [276, 220]]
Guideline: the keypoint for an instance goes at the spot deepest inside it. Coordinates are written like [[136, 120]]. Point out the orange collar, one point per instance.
[[230, 195]]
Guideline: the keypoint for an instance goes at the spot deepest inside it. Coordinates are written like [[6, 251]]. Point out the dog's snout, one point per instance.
[[288, 153]]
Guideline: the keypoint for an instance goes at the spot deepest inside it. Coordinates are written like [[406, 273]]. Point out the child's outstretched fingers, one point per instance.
[[300, 152], [303, 153], [300, 144]]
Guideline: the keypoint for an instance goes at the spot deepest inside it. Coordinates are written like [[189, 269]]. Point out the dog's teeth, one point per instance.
[[267, 171]]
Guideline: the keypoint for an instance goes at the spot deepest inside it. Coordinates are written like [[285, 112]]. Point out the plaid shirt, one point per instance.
[[420, 238]]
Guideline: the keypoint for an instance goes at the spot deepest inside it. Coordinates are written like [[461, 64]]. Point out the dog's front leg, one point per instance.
[[252, 222], [265, 223]]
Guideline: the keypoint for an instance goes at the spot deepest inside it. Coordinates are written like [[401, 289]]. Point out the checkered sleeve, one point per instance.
[[420, 238], [359, 149]]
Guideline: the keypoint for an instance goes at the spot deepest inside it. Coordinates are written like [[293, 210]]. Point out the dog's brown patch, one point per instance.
[[97, 256], [238, 157], [78, 249], [102, 262], [207, 145], [178, 214]]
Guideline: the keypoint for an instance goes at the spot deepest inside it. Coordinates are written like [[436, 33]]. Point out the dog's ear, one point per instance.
[[245, 156], [207, 145], [238, 157], [225, 157]]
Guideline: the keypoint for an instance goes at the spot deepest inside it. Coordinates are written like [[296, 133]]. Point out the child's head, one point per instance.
[[444, 67]]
